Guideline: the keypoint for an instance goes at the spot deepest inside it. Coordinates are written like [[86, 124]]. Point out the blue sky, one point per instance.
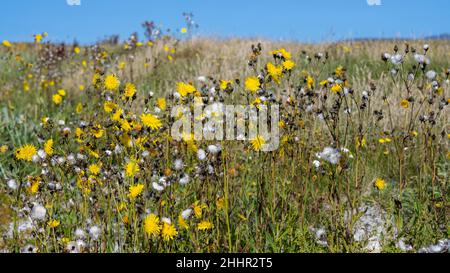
[[308, 21]]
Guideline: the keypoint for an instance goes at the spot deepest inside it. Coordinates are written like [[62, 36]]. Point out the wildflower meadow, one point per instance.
[[170, 142]]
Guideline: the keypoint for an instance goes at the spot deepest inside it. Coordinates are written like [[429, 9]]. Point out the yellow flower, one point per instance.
[[161, 102], [339, 72], [220, 203], [224, 84], [45, 121], [168, 232], [131, 168], [94, 154], [252, 84], [125, 125], [360, 142], [282, 53], [108, 106], [130, 90], [384, 140], [53, 223], [404, 104], [96, 79], [111, 82], [76, 50], [198, 209], [79, 108], [94, 169], [38, 38], [151, 225], [182, 223], [135, 190], [26, 152], [310, 82], [184, 89], [65, 240], [151, 121], [81, 87], [48, 147], [258, 142], [117, 116], [26, 86], [274, 71], [336, 88], [380, 184], [288, 65], [78, 132], [57, 99], [122, 65], [205, 225], [3, 149], [183, 30], [34, 187], [6, 43], [97, 131]]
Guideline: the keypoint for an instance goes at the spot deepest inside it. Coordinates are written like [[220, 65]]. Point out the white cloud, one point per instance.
[[374, 2], [77, 2]]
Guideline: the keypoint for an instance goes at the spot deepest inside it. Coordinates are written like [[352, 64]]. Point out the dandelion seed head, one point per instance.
[[95, 232], [201, 154], [186, 213], [38, 212], [12, 184]]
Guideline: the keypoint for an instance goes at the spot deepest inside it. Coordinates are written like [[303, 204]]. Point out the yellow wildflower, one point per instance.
[[108, 106], [404, 104], [274, 71], [288, 65], [111, 82], [151, 121], [131, 168], [380, 184], [336, 88], [130, 90], [53, 223], [6, 43], [161, 102], [252, 84], [168, 232], [205, 225], [135, 190], [48, 147], [182, 222], [258, 142], [184, 89], [151, 225], [94, 169], [57, 99], [26, 152]]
